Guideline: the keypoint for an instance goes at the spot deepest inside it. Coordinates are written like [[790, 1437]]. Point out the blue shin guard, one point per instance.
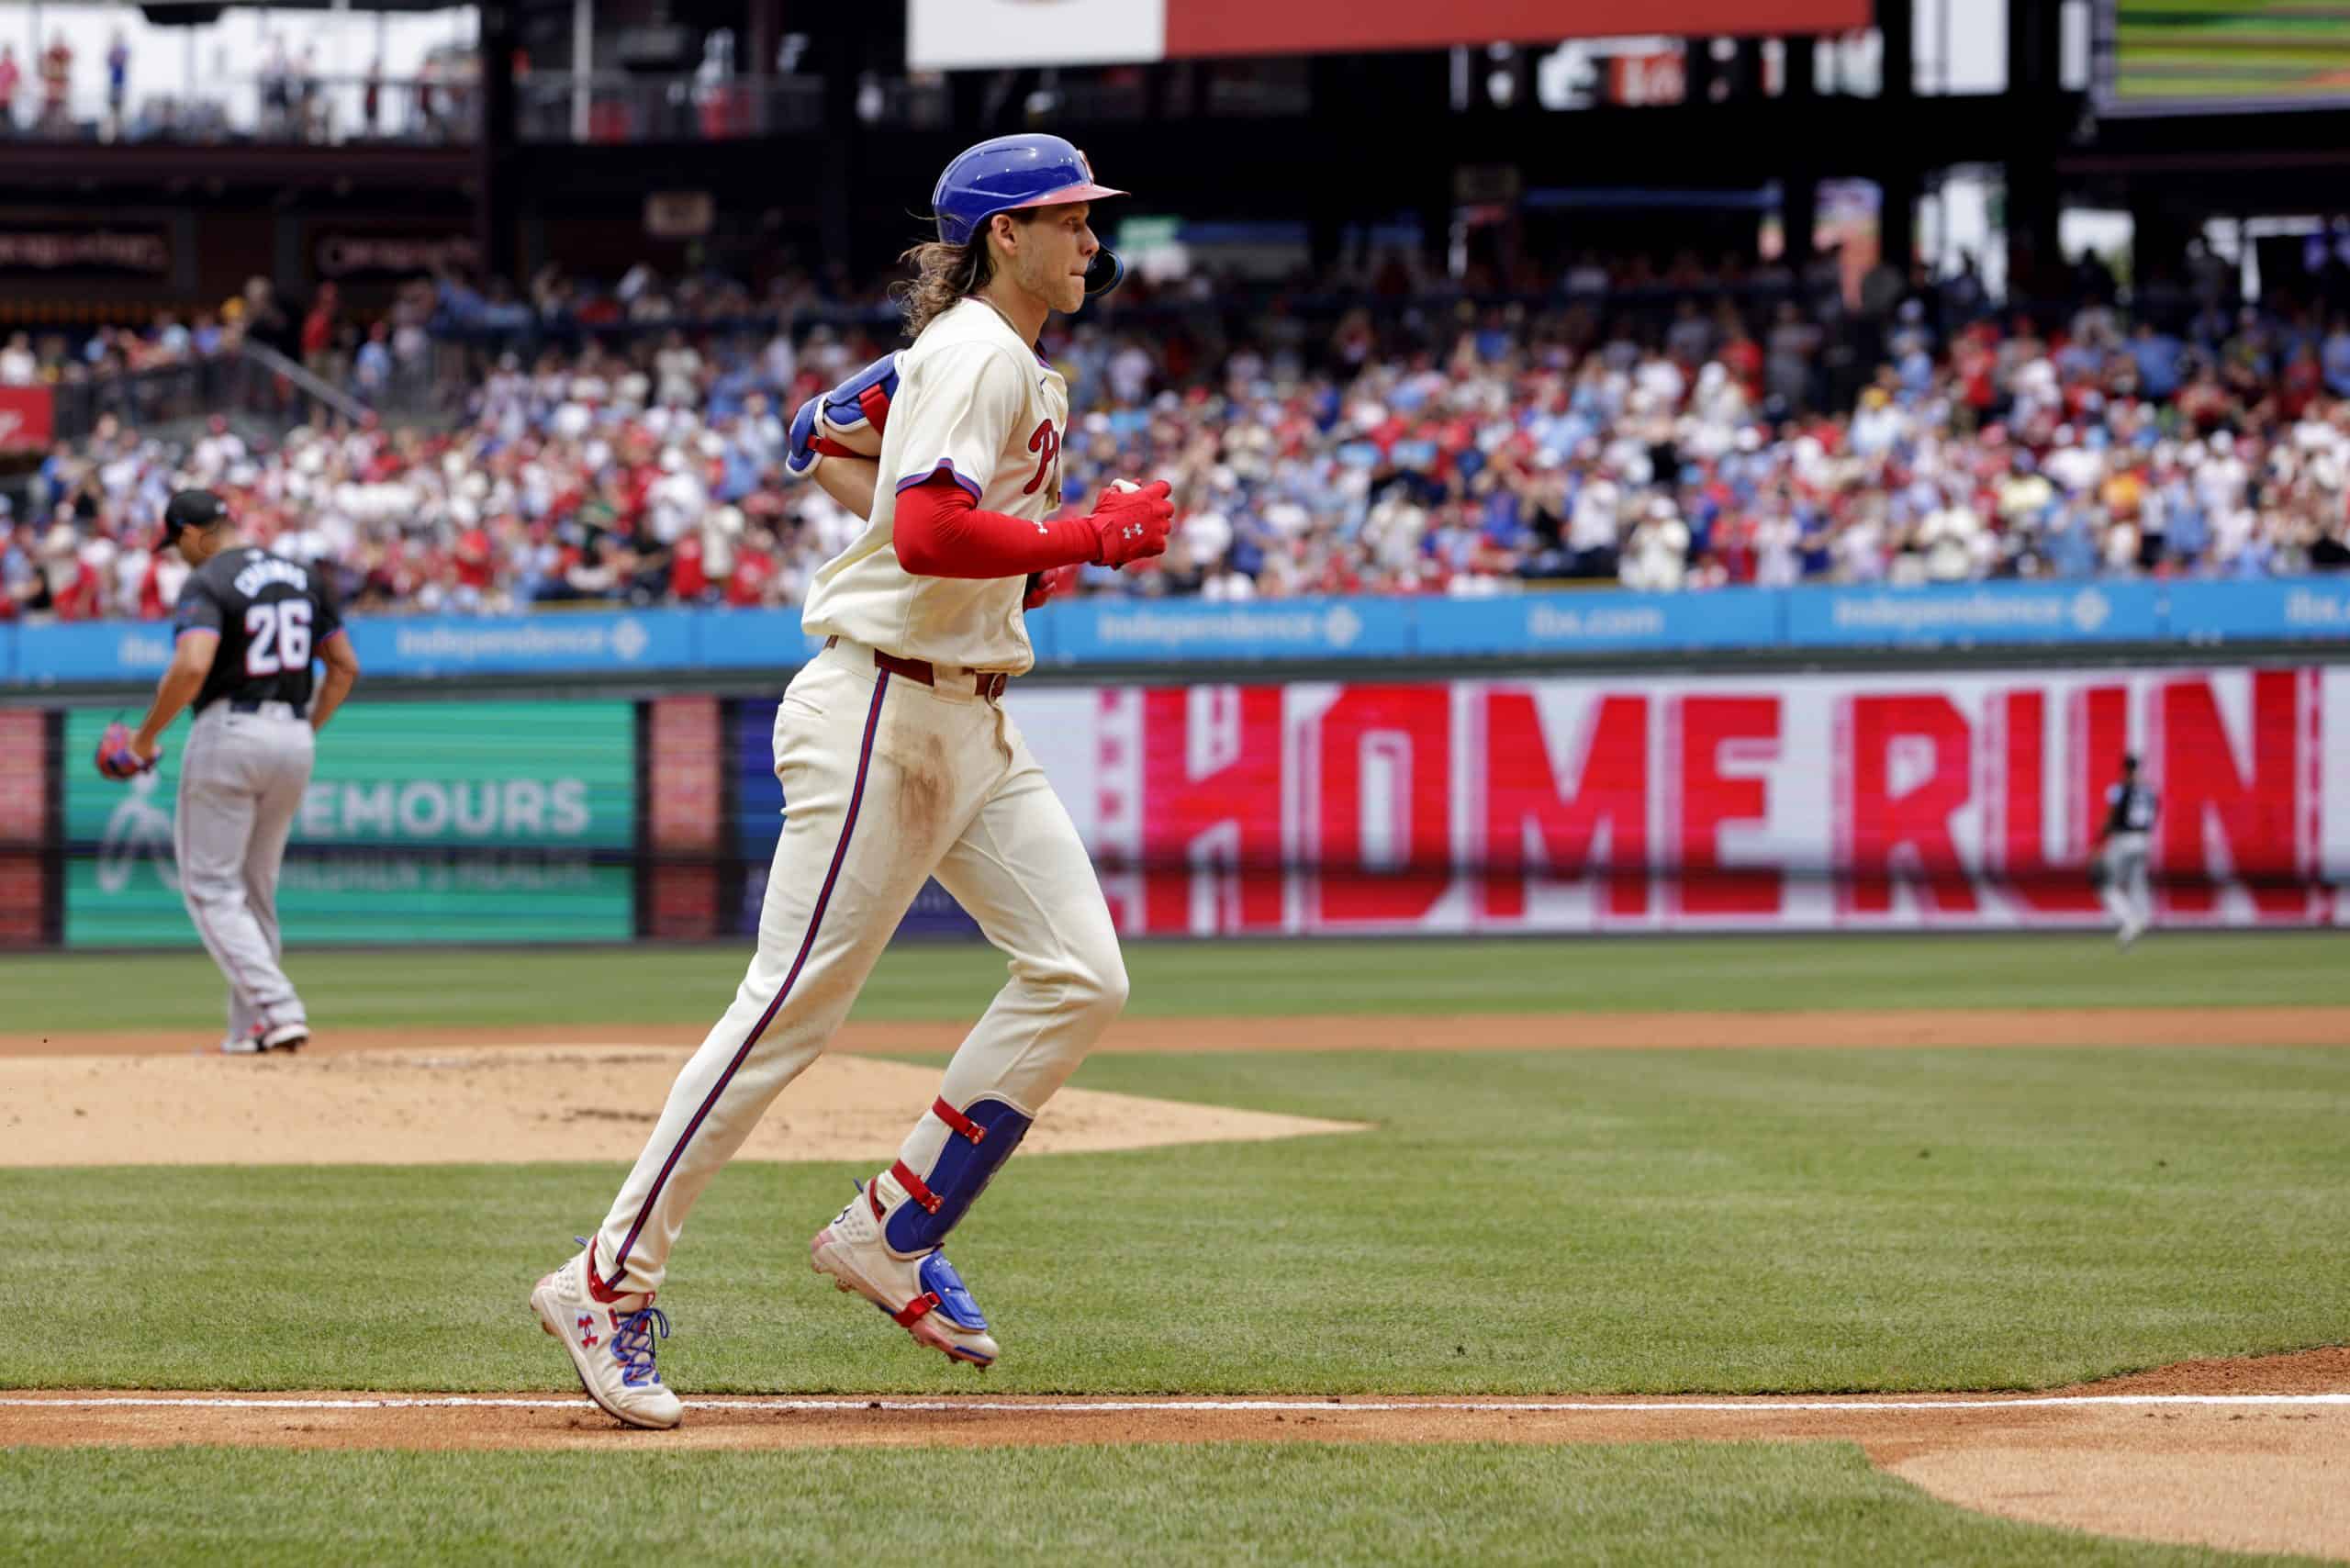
[[979, 1140]]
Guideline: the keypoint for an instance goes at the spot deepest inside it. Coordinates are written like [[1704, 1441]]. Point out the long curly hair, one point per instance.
[[945, 273]]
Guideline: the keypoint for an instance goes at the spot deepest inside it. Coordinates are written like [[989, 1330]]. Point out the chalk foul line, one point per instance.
[[1759, 1404]]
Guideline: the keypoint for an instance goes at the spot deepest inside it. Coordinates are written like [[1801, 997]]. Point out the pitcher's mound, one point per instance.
[[510, 1105]]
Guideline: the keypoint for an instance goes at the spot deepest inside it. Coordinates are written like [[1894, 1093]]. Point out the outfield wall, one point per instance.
[[1552, 803], [1628, 803], [1119, 635]]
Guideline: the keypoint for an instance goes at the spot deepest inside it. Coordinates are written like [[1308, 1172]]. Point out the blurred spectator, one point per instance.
[[2335, 358], [309, 108], [372, 373], [260, 318], [1657, 555], [12, 76], [117, 82], [18, 365], [317, 341], [276, 90], [1787, 369], [56, 81]]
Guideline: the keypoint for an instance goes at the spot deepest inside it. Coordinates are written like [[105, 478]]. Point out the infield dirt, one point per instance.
[[2244, 1476], [417, 1096], [511, 1105]]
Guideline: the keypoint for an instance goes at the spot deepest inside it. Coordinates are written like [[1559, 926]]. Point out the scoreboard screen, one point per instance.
[[2221, 56]]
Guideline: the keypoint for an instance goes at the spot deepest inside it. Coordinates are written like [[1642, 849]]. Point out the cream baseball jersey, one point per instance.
[[892, 775], [975, 403]]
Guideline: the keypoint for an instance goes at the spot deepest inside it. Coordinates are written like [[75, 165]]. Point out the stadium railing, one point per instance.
[[625, 107], [260, 109], [251, 381]]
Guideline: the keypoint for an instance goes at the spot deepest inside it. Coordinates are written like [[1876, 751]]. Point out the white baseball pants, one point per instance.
[[886, 782]]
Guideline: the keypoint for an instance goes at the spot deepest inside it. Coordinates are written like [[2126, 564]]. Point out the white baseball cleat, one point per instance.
[[610, 1341], [247, 1043], [922, 1294]]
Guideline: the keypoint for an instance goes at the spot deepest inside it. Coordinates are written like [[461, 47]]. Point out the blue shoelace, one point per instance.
[[633, 1345]]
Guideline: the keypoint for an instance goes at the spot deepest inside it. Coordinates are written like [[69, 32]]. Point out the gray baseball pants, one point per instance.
[[241, 783], [2128, 896]]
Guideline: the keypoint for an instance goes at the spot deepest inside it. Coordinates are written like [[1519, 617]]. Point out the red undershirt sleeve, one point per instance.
[[939, 531]]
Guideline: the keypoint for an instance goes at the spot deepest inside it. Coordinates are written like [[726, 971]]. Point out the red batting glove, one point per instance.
[[1043, 586], [119, 757], [1132, 524]]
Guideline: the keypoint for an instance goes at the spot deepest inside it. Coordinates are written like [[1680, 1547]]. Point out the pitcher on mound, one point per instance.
[[897, 764]]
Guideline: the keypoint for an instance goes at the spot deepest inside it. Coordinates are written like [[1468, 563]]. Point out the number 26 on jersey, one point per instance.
[[278, 636]]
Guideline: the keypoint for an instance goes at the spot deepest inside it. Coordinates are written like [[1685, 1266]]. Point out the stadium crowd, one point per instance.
[[1405, 445], [56, 93]]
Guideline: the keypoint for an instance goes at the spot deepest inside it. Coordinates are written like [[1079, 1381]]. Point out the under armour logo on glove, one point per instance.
[[1132, 521]]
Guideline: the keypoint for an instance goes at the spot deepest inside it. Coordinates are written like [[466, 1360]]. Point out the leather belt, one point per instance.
[[986, 683], [280, 710]]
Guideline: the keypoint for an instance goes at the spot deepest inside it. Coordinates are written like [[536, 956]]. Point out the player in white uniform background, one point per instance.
[[897, 764]]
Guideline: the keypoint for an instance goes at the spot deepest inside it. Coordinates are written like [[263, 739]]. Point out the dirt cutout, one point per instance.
[[1839, 1030], [417, 1096], [510, 1105], [412, 1096], [2264, 1473]]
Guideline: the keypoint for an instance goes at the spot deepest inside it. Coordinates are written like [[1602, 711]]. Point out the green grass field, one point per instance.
[[1553, 1222], [1548, 1222], [1194, 979], [1649, 1503]]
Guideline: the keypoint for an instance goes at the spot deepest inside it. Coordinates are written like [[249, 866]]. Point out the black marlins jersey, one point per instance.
[[272, 615], [2130, 808]]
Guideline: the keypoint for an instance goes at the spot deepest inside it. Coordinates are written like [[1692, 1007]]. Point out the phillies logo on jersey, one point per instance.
[[1046, 442]]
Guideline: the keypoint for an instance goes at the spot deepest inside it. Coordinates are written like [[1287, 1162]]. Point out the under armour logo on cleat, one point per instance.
[[588, 1328]]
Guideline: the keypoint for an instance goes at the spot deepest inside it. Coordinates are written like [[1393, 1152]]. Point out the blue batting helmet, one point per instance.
[[1005, 174]]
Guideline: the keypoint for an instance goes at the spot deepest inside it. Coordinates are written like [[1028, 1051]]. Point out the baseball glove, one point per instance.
[[117, 760]]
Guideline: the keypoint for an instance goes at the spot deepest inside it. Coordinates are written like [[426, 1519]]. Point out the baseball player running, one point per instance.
[[248, 626], [898, 763], [2130, 809]]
